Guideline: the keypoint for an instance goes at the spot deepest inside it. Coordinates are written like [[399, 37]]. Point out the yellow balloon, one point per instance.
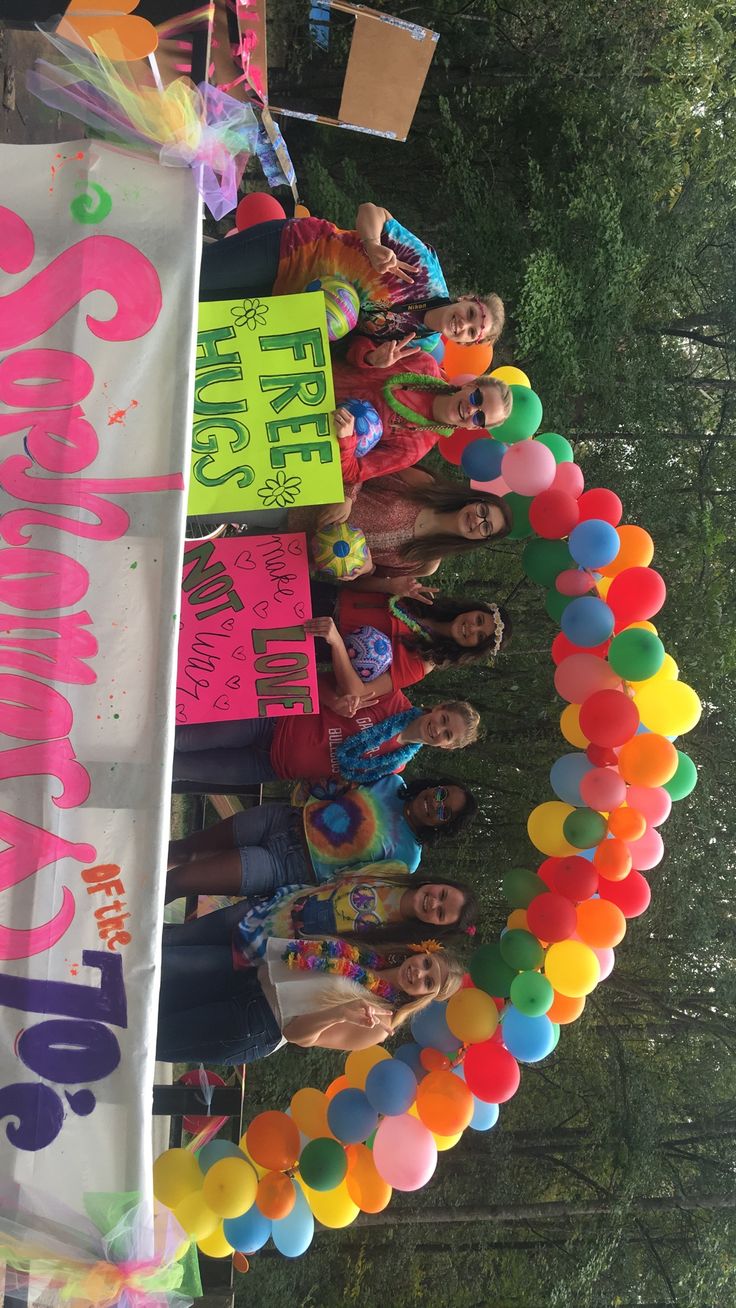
[[230, 1187], [518, 920], [215, 1245], [359, 1063], [668, 708], [194, 1217], [309, 1110], [669, 670], [602, 586], [445, 1142], [570, 727], [544, 826], [645, 626], [472, 1016], [572, 968], [333, 1208], [512, 376], [176, 1174]]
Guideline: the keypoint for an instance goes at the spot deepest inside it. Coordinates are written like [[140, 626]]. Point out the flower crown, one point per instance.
[[426, 947], [500, 627]]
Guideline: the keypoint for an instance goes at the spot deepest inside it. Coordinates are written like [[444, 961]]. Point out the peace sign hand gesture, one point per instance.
[[385, 262], [391, 352]]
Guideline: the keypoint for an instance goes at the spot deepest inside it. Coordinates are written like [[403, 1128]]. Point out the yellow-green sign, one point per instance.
[[263, 403]]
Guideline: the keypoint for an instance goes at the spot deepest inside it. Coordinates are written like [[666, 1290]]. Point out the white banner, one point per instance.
[[99, 259]]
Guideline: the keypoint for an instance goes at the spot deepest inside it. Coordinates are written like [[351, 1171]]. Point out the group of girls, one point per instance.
[[326, 942]]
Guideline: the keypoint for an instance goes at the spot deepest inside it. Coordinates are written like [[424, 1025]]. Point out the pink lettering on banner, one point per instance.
[[19, 942], [50, 378], [56, 656], [16, 242], [40, 579], [243, 650], [29, 710], [61, 440], [49, 758]]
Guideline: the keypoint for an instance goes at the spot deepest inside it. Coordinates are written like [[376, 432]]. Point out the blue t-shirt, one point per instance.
[[365, 824], [398, 319]]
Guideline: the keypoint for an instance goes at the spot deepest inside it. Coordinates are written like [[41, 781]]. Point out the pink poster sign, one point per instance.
[[243, 650]]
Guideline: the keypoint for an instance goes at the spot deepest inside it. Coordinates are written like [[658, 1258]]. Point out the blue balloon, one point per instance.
[[587, 621], [481, 459], [248, 1232], [213, 1152], [411, 1054], [565, 777], [351, 1117], [438, 351], [484, 1116], [293, 1235], [594, 544], [391, 1087], [528, 1038], [430, 1030]]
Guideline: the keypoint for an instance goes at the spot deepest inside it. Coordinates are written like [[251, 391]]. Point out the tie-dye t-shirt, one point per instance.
[[312, 248], [363, 825]]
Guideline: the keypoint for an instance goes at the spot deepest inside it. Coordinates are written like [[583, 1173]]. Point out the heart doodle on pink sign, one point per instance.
[[245, 561], [240, 653], [222, 703], [261, 609], [294, 547], [299, 611], [233, 683]]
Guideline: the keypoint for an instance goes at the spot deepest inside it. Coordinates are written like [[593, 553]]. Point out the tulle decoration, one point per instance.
[[125, 1252], [181, 125]]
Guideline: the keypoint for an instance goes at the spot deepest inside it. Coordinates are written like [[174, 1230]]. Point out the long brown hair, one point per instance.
[[447, 497]]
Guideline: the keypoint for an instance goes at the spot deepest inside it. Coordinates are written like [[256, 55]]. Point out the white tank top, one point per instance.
[[292, 991]]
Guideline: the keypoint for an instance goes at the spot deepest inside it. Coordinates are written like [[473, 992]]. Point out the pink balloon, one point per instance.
[[581, 675], [404, 1152], [653, 802], [606, 958], [528, 467], [569, 478], [604, 790], [496, 487], [575, 581], [647, 851], [233, 232]]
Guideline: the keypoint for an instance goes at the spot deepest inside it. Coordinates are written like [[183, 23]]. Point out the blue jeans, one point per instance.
[[246, 264], [272, 853], [208, 1011], [234, 753]]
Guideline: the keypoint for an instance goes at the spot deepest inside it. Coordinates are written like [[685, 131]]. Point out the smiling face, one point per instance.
[[441, 727], [422, 974], [437, 904], [435, 806], [480, 521], [466, 321], [469, 629]]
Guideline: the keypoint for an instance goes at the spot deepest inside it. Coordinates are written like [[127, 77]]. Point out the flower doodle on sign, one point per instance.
[[250, 314], [280, 491]]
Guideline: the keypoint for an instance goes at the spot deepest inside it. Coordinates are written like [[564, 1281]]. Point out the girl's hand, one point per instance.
[[348, 705], [324, 627], [344, 424], [362, 1013], [391, 352], [412, 588], [386, 263], [334, 513]]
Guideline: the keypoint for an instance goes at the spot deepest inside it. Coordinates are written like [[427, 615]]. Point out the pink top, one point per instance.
[[384, 514]]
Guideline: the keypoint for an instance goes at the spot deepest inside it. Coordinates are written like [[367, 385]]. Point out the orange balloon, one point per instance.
[[444, 1103], [240, 1262], [309, 1110], [627, 823], [366, 1188], [517, 921], [466, 360], [601, 924], [612, 860], [275, 1196], [570, 726], [334, 1088], [273, 1141], [565, 1008], [433, 1061], [648, 760], [301, 211], [636, 551]]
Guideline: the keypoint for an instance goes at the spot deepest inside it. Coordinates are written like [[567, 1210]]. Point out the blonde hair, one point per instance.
[[451, 983], [494, 307], [469, 715], [504, 391]]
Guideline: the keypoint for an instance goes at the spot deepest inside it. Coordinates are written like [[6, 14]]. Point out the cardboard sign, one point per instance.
[[263, 404], [243, 650]]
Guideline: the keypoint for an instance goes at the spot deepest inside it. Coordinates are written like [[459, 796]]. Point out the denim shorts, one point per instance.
[[273, 853]]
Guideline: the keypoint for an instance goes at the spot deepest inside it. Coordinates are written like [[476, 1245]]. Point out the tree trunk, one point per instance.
[[550, 1211]]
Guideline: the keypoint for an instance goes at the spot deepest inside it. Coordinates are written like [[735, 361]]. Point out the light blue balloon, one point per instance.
[[430, 1029], [249, 1232], [586, 853], [216, 1150], [587, 621], [594, 544], [484, 1116], [565, 777], [293, 1235], [528, 1038]]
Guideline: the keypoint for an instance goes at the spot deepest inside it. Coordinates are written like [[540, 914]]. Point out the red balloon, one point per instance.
[[551, 917], [452, 447], [609, 717], [601, 503], [491, 1072], [546, 872], [257, 207], [575, 878], [635, 595], [562, 647], [580, 676], [600, 757], [632, 895], [568, 478], [553, 513]]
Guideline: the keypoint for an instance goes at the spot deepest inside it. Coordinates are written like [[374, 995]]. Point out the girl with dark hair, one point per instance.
[[263, 848]]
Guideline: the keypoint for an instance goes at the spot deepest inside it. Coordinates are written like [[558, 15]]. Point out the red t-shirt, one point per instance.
[[357, 608], [304, 746]]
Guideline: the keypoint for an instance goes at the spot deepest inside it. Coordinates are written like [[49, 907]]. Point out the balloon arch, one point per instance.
[[382, 1123]]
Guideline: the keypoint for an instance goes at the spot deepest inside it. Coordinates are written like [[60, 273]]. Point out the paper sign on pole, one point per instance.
[[263, 404]]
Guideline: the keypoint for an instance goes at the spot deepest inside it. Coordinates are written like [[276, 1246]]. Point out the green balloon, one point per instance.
[[323, 1163], [531, 993], [520, 886], [489, 972], [584, 828], [544, 560], [685, 779], [555, 1034], [524, 418], [636, 654], [521, 526], [555, 604], [521, 950], [559, 445]]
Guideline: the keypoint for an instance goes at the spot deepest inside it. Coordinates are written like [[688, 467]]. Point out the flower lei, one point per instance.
[[351, 754], [402, 616], [419, 383], [339, 958]]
